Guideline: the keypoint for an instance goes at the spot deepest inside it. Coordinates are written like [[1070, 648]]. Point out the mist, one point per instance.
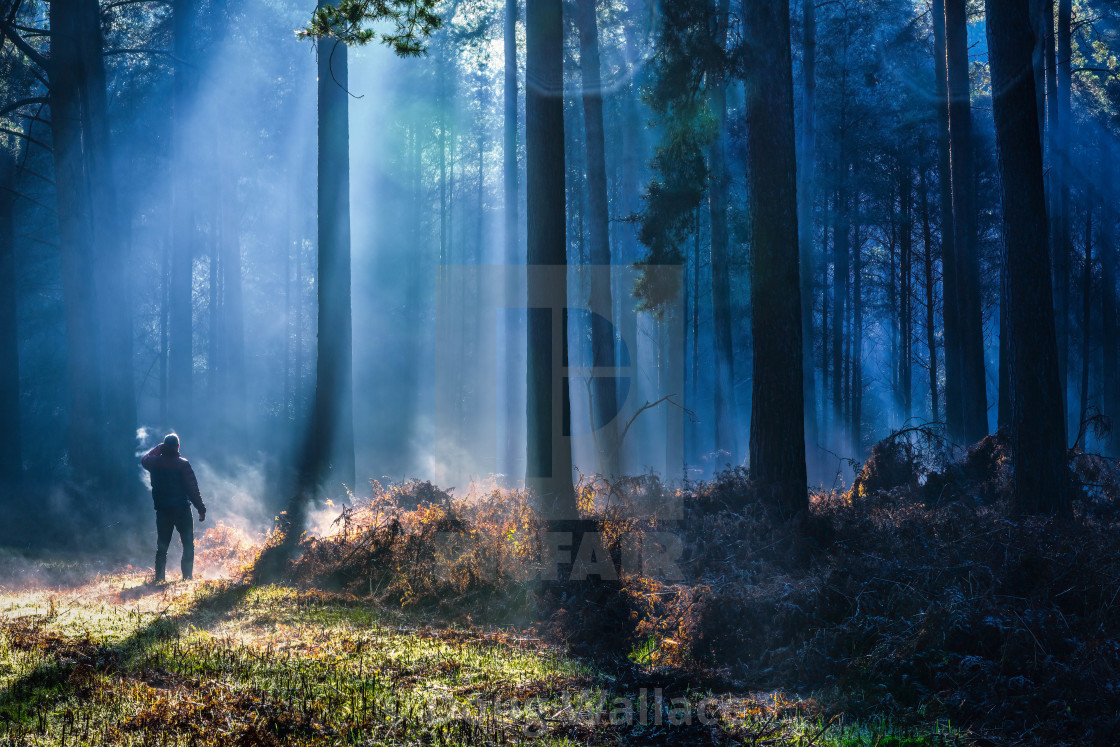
[[181, 292]]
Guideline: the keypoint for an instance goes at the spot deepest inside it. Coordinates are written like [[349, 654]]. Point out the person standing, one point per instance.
[[174, 489]]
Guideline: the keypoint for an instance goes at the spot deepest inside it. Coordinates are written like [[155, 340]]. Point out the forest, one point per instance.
[[605, 372]]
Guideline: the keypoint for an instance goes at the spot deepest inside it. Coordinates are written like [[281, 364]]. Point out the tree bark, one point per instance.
[[1039, 481], [840, 278], [604, 389], [950, 308], [1003, 404], [974, 410], [328, 460], [95, 289], [1086, 318], [10, 449], [549, 452], [855, 346], [905, 261], [1059, 222], [514, 252], [930, 297], [1110, 377], [724, 385], [777, 441], [806, 178], [1061, 127]]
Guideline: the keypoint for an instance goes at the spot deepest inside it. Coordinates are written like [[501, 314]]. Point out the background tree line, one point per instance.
[[162, 220]]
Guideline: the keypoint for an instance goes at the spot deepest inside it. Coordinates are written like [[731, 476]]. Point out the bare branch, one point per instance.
[[28, 138], [22, 45], [119, 3], [23, 102], [146, 50], [32, 30], [650, 405], [35, 117], [36, 174], [29, 199]]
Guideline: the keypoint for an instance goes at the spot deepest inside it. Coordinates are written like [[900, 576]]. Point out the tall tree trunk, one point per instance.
[[95, 290], [974, 409], [1060, 218], [930, 297], [415, 297], [549, 450], [1038, 445], [724, 383], [893, 310], [856, 345], [1059, 227], [806, 178], [826, 413], [634, 147], [1086, 318], [840, 275], [1061, 127], [604, 389], [514, 253], [693, 452], [950, 309], [777, 441], [10, 450], [1042, 16], [1003, 415], [328, 460], [905, 260], [846, 355], [1110, 376], [1046, 95]]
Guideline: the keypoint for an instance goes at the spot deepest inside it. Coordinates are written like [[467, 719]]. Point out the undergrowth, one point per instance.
[[914, 608], [916, 594]]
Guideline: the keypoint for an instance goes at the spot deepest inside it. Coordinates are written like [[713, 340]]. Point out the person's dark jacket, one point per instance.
[[173, 481]]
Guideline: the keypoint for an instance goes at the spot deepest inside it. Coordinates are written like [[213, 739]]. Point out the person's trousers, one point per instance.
[[169, 520]]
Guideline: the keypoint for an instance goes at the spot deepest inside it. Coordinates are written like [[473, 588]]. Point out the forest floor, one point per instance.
[[121, 662], [911, 608]]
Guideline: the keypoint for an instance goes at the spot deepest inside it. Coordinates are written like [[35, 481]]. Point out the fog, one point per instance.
[[174, 286]]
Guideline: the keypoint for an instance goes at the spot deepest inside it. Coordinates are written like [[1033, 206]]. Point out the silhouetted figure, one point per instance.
[[174, 489]]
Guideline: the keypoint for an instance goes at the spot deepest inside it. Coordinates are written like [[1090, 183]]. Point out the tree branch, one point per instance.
[[36, 174], [28, 138], [146, 50], [119, 3], [1111, 73], [648, 406], [23, 102], [22, 45], [36, 117], [29, 199], [31, 30]]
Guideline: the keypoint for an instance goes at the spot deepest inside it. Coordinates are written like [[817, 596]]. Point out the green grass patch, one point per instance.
[[221, 663]]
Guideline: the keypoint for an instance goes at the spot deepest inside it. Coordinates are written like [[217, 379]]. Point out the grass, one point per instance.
[[215, 663]]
